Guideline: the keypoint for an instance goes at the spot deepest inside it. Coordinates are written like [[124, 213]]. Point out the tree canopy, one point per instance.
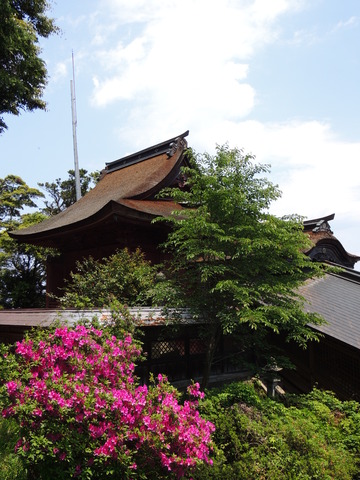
[[22, 267], [15, 195], [23, 73], [62, 193], [233, 262]]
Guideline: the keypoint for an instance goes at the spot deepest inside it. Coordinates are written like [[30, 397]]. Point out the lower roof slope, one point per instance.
[[336, 297]]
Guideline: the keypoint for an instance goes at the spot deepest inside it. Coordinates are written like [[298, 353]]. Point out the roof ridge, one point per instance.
[[168, 146]]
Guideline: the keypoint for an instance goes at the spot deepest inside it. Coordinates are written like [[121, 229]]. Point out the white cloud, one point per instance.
[[186, 65], [197, 46], [306, 37], [60, 71], [313, 35], [351, 22]]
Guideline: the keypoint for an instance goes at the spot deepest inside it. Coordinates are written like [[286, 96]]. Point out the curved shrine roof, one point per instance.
[[127, 187]]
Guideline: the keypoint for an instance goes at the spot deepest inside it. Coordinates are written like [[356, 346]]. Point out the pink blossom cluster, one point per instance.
[[76, 390]]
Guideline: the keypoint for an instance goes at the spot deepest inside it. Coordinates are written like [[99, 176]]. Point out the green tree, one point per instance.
[[23, 73], [62, 193], [234, 263], [22, 267], [15, 195]]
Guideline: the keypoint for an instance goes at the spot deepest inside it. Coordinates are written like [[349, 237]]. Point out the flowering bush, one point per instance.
[[82, 413]]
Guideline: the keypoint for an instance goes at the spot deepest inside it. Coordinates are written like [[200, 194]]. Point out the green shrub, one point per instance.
[[125, 276], [306, 437]]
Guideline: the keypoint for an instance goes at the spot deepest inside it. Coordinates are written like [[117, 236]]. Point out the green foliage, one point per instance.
[[233, 262], [63, 192], [11, 467], [309, 437], [124, 276], [22, 267], [23, 73], [345, 415], [15, 195]]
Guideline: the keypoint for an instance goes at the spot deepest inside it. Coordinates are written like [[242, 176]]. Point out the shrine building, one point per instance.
[[119, 212]]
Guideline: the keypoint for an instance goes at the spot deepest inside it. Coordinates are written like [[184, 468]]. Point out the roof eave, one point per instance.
[[112, 211]]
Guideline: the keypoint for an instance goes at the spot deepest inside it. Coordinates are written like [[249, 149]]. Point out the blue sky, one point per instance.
[[278, 78]]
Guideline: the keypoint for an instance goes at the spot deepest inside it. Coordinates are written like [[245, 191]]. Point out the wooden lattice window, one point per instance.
[[197, 346], [167, 348]]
